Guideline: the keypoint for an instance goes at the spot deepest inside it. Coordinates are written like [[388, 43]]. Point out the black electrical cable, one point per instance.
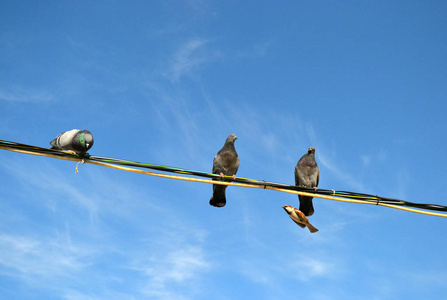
[[367, 198]]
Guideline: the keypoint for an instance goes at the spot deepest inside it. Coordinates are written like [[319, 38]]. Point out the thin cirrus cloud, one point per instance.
[[27, 256], [297, 269], [49, 181], [188, 57], [20, 94], [173, 256], [173, 263], [180, 267]]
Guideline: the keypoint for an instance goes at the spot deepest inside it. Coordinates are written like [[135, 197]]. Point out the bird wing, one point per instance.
[[299, 224], [226, 161], [318, 176]]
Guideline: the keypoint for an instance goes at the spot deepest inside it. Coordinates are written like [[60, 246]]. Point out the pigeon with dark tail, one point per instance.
[[226, 162], [307, 175]]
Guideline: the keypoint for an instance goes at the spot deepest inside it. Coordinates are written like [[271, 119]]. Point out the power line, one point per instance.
[[185, 174]]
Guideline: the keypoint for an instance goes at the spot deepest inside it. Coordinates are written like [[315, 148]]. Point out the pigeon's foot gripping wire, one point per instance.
[[73, 152], [222, 176]]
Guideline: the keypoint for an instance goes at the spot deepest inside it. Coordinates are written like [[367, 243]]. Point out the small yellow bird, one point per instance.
[[299, 218]]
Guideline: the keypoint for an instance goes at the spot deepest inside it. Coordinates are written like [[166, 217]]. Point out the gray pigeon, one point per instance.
[[226, 162], [74, 141], [307, 175]]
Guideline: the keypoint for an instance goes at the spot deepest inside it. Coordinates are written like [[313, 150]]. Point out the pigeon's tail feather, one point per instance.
[[53, 144], [306, 205], [218, 198], [312, 229], [218, 202]]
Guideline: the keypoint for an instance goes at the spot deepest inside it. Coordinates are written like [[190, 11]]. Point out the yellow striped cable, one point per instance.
[[129, 169]]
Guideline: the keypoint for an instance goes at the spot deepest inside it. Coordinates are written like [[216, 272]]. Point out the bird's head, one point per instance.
[[288, 209], [231, 138], [311, 150], [85, 139]]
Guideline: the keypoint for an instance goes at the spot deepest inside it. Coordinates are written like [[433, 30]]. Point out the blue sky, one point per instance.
[[166, 83]]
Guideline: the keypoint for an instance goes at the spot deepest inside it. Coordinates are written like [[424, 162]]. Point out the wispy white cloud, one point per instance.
[[20, 94], [366, 159], [49, 180], [174, 264], [176, 267], [349, 179], [27, 256], [261, 49], [403, 179], [173, 110], [421, 279], [309, 268], [326, 161], [407, 279], [173, 256], [256, 50], [201, 7], [188, 57]]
